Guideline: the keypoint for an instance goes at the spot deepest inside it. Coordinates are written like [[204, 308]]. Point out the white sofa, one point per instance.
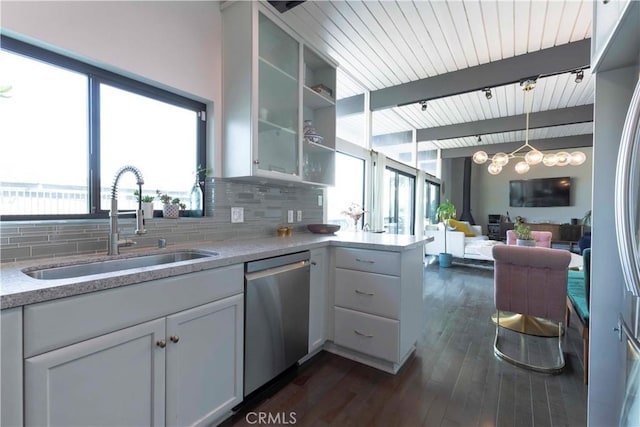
[[457, 244]]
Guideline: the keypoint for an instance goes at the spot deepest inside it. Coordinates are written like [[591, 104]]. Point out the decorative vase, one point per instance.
[[170, 211], [147, 209], [310, 133], [527, 242], [195, 201]]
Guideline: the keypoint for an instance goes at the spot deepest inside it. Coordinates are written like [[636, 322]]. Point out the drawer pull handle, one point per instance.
[[363, 293], [174, 338], [365, 261], [361, 334], [161, 343]]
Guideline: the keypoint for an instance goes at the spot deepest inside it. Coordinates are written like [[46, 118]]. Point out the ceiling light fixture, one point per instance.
[[424, 105], [533, 156], [487, 92], [579, 75], [479, 138]]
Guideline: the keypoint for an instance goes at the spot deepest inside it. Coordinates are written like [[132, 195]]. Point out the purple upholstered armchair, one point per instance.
[[542, 238], [531, 281]]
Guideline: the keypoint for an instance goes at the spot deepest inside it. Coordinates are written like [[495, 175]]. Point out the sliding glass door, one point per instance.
[[399, 202], [431, 200]]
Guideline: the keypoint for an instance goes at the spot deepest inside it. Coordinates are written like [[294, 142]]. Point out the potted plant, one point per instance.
[[170, 206], [445, 212], [523, 234], [147, 204]]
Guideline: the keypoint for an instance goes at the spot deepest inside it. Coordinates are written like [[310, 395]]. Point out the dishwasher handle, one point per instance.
[[276, 270]]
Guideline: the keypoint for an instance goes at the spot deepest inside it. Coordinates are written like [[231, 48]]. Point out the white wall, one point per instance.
[[175, 45], [490, 193]]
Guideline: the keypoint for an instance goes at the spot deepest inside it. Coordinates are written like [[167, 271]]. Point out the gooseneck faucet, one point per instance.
[[114, 238]]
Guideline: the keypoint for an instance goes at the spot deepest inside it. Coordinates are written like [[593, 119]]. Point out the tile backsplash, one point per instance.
[[265, 209]]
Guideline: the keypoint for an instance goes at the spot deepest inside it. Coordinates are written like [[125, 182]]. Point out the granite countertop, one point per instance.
[[18, 289]]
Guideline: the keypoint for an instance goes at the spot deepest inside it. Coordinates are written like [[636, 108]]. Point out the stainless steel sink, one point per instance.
[[109, 266]]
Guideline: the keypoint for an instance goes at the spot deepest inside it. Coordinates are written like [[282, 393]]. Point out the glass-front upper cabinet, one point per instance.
[[278, 99], [275, 89]]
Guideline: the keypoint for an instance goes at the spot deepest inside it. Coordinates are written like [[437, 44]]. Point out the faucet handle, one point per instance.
[[140, 222]]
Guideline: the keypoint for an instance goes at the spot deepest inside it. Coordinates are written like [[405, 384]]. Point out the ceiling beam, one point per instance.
[[565, 142], [542, 119], [553, 60]]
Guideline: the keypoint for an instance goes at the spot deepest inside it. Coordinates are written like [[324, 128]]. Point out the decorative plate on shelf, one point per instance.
[[323, 228], [316, 139]]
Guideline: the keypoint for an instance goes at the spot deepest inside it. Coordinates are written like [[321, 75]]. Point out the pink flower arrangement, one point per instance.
[[355, 212]]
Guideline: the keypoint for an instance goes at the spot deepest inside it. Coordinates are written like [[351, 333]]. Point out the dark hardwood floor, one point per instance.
[[453, 379]]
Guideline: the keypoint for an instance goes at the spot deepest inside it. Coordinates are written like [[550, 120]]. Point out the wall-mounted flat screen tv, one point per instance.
[[542, 192]]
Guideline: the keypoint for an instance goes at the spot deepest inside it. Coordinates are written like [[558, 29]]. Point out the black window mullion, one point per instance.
[[201, 152], [94, 145]]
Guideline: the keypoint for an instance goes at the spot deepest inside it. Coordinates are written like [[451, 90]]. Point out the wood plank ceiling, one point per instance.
[[382, 44]]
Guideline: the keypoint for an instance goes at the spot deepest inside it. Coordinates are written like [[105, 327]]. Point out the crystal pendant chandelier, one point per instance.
[[533, 156]]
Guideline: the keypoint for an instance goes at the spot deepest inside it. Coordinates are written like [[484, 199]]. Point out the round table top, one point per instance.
[[486, 251]]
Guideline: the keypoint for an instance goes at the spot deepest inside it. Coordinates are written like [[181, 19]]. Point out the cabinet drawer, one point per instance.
[[368, 334], [369, 292], [367, 260]]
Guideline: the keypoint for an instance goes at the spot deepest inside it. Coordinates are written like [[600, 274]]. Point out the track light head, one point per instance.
[[487, 92], [579, 75], [423, 104], [479, 138]]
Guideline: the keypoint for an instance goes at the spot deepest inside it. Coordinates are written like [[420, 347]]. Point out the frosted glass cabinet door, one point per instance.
[[278, 99], [113, 380]]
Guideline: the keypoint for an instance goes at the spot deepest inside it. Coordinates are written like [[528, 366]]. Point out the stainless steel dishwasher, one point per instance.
[[276, 317]]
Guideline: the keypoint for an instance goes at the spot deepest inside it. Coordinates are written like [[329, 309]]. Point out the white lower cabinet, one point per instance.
[[317, 299], [117, 379], [204, 362], [377, 305], [11, 367], [176, 367]]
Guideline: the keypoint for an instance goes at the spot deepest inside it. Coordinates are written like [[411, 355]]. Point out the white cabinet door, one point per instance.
[[317, 299], [11, 367], [117, 379], [204, 362]]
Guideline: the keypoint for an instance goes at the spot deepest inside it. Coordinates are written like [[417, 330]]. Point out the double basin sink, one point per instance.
[[110, 266]]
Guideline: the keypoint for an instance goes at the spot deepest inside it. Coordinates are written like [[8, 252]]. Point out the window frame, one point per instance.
[[95, 77]]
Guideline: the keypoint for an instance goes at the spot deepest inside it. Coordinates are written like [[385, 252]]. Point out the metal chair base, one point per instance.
[[526, 324], [544, 369]]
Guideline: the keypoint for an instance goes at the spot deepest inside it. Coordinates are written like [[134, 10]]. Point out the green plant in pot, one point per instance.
[[445, 212], [523, 234], [147, 204], [171, 206]]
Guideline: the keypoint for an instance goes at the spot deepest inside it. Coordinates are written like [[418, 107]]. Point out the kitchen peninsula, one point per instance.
[[365, 304]]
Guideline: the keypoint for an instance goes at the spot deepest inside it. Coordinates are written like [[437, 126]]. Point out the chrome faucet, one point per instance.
[[114, 238]]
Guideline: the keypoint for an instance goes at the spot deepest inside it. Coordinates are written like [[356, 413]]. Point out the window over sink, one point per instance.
[[68, 126]]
